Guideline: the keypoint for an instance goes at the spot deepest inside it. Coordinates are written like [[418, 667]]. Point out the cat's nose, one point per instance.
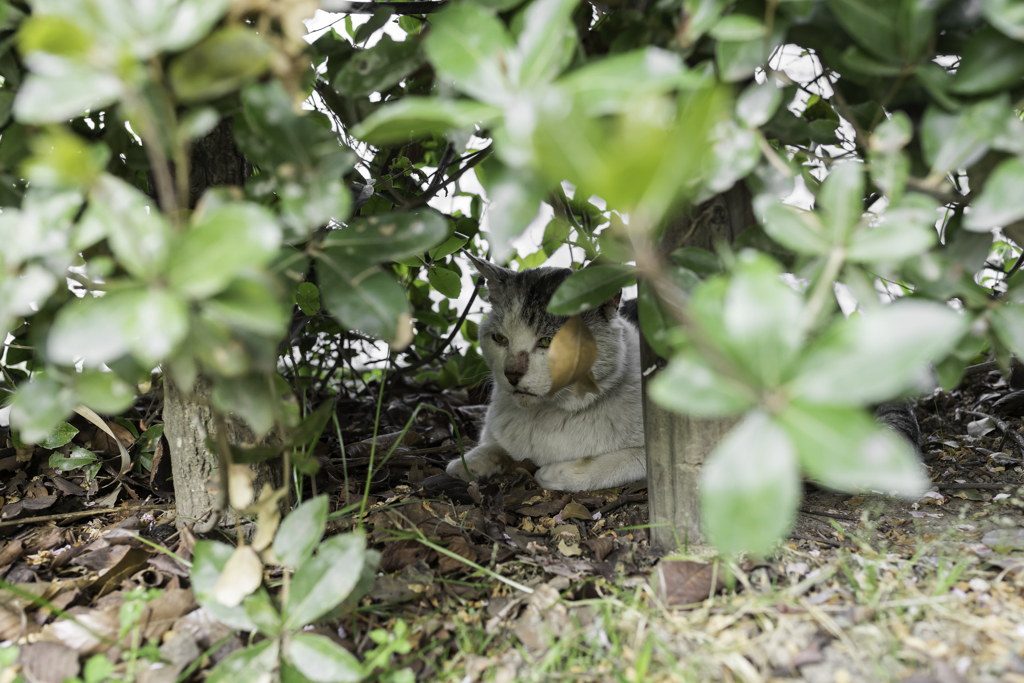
[[513, 377]]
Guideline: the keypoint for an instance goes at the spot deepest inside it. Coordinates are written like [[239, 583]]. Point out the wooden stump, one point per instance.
[[678, 445]]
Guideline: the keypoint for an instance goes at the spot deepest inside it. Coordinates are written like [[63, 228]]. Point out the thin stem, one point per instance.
[[822, 288]]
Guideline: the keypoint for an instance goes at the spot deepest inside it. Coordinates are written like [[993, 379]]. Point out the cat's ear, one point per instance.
[[610, 307], [495, 277]]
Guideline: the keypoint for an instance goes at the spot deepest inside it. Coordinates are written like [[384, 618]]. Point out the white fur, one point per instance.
[[580, 443]]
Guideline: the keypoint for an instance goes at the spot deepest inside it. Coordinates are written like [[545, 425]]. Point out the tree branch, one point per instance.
[[447, 342], [416, 7]]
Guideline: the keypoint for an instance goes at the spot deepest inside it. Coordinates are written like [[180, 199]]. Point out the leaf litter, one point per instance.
[[502, 580]]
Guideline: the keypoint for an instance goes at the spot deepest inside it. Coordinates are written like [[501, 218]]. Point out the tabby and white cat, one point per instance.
[[580, 443]]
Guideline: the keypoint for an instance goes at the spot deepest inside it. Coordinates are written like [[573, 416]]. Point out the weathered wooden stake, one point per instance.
[[677, 445]]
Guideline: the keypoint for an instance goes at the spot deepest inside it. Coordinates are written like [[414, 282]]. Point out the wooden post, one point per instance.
[[678, 445]]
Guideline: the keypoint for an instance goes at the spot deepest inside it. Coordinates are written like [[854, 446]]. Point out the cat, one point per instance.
[[580, 443]]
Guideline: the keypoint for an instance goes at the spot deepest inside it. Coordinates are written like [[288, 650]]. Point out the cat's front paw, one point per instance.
[[483, 461], [561, 476]]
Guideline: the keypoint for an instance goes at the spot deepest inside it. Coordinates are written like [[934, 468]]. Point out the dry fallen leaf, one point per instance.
[[242, 575], [684, 582], [571, 355]]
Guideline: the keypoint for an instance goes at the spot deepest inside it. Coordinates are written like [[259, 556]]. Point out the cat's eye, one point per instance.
[[499, 339], [545, 342]]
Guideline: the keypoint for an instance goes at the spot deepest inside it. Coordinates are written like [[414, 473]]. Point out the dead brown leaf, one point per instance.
[[461, 547], [570, 358], [48, 662], [683, 582], [576, 511], [242, 575]]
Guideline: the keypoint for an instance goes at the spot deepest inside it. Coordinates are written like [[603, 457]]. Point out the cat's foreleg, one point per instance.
[[485, 460], [595, 472]]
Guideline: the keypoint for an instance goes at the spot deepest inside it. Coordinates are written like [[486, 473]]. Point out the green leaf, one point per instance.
[[469, 47], [1000, 202], [874, 357], [223, 62], [916, 27], [38, 406], [689, 386], [387, 237], [248, 397], [847, 450], [611, 84], [841, 198], [738, 28], [515, 197], [149, 439], [20, 292], [445, 281], [761, 318], [308, 431], [62, 159], [758, 103], [906, 230], [800, 231], [325, 580], [1005, 15], [300, 531], [104, 392], [656, 319], [989, 62], [589, 288], [701, 16], [953, 141], [378, 68], [138, 237], [79, 457], [150, 323], [700, 261], [64, 91], [59, 436], [222, 243], [252, 663], [307, 297], [98, 669], [185, 22], [893, 134], [872, 23], [250, 304], [737, 60], [1008, 324], [547, 41], [412, 118], [207, 565], [320, 659], [450, 246], [373, 303], [855, 59], [750, 487]]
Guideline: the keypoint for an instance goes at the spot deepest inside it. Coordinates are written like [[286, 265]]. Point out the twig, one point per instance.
[[345, 7], [85, 513], [815, 539], [836, 515], [399, 371], [987, 487], [471, 161], [1003, 427], [623, 500]]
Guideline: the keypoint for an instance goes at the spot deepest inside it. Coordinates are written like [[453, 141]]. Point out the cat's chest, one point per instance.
[[552, 435]]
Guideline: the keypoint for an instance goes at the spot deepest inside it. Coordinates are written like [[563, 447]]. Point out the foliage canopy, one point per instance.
[[899, 121]]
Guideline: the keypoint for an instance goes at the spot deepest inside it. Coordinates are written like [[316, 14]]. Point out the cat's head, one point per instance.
[[516, 334]]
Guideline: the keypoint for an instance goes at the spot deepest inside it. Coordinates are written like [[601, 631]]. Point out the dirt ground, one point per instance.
[[504, 581]]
